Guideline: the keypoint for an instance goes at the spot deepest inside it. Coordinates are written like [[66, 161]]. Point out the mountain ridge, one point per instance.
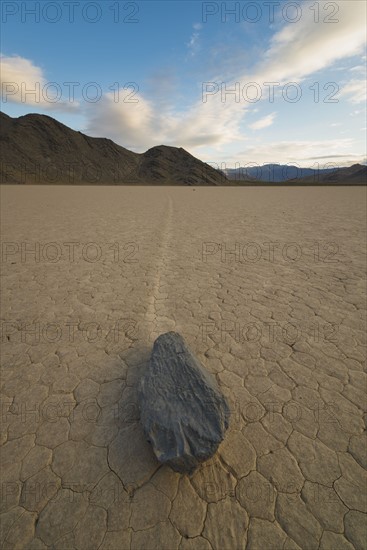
[[291, 174], [40, 149]]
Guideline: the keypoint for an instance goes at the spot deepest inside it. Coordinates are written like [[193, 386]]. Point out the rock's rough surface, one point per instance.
[[183, 413]]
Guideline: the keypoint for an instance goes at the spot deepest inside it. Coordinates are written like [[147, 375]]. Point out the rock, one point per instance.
[[183, 413]]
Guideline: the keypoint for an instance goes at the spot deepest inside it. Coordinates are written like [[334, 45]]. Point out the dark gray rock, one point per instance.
[[183, 412]]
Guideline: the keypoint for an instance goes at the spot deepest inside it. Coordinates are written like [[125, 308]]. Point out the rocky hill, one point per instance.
[[39, 149]]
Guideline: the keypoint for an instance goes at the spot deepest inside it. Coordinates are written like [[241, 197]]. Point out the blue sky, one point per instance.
[[177, 60]]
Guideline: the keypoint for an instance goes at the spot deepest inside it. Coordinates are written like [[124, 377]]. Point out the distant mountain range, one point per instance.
[[280, 173], [351, 175], [38, 149]]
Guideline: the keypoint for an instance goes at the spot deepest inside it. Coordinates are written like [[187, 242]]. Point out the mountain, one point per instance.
[[160, 162], [293, 174], [268, 172], [350, 175], [39, 149]]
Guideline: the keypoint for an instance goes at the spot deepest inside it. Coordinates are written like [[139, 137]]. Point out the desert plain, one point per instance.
[[267, 286]]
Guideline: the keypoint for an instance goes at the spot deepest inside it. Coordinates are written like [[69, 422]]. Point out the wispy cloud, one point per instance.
[[263, 122], [355, 91], [358, 69], [301, 49], [303, 153], [193, 44]]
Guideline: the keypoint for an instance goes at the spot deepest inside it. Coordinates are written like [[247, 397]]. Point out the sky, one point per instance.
[[234, 83]]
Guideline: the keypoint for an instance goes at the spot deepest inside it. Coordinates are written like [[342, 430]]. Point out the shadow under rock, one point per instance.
[[129, 454]]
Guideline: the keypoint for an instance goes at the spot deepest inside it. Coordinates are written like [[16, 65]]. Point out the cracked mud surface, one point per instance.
[[283, 332]]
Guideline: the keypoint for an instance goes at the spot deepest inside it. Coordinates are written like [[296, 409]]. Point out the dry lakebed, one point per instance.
[[267, 286]]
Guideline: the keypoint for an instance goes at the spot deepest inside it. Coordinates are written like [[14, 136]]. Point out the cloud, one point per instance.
[[302, 48], [323, 157], [162, 86], [263, 122], [295, 52], [355, 91], [126, 123], [24, 82], [358, 69], [193, 44], [358, 112], [303, 153], [141, 125]]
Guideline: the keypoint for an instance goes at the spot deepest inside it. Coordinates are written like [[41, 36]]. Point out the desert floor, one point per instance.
[[266, 285]]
